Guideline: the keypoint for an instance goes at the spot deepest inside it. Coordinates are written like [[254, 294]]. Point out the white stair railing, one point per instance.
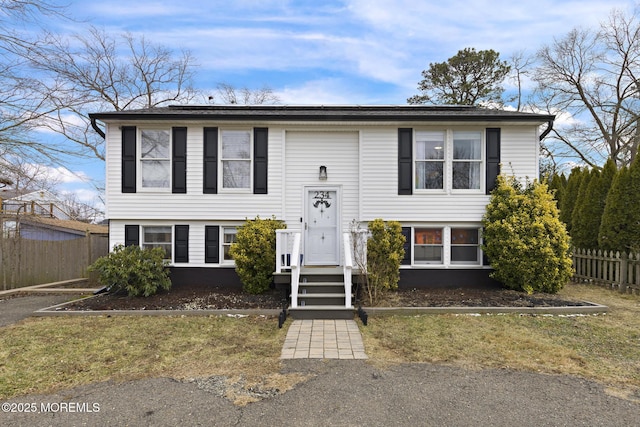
[[348, 268], [295, 270], [284, 246]]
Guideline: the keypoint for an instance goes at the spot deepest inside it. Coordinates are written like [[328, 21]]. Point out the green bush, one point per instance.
[[570, 195], [587, 214], [136, 271], [527, 244], [385, 250], [620, 226], [254, 253]]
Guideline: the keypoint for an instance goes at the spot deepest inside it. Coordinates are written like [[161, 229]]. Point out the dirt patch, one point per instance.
[[193, 297], [207, 297]]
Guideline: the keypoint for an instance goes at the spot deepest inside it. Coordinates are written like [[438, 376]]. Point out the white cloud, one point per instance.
[[61, 174], [317, 92]]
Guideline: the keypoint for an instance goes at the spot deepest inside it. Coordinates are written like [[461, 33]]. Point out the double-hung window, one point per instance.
[[428, 245], [228, 238], [155, 158], [465, 246], [467, 160], [157, 237], [430, 160], [236, 159]]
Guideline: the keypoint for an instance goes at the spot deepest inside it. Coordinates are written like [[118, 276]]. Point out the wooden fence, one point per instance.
[[618, 270], [26, 262]]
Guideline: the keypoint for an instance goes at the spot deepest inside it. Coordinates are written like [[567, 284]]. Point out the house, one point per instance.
[[52, 229], [39, 202], [184, 177]]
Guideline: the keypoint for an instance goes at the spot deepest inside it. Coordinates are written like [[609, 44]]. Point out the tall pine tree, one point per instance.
[[579, 217], [615, 233], [570, 195], [586, 221], [557, 184]]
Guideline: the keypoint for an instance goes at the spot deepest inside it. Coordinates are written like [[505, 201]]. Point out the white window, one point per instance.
[[155, 158], [467, 160], [236, 159], [428, 246], [9, 228], [157, 237], [430, 160], [228, 238], [465, 246]]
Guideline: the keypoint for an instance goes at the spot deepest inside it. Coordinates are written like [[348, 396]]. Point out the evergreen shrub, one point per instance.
[[254, 253], [524, 239], [136, 271]]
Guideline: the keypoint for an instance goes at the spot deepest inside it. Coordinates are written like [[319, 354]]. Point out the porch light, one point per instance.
[[323, 173]]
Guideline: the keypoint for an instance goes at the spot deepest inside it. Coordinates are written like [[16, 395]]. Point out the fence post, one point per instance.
[[623, 272]]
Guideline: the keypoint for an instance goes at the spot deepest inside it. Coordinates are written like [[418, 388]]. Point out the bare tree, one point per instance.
[[78, 210], [229, 94], [25, 100], [521, 65], [99, 72], [592, 74], [27, 176]]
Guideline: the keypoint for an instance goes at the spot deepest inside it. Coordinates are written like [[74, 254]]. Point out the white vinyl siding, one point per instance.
[[196, 237], [305, 153], [379, 178], [361, 161], [193, 205]]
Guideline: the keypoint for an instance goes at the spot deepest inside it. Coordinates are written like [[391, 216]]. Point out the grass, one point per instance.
[[42, 355], [605, 348]]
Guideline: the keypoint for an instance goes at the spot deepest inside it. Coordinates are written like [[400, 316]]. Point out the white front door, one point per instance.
[[321, 238]]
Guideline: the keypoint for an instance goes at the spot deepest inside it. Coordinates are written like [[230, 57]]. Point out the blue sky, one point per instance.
[[331, 52]]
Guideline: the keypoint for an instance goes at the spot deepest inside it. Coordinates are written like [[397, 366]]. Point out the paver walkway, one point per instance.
[[323, 339]]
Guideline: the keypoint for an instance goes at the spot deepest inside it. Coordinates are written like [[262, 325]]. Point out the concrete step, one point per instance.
[[322, 312], [320, 287], [321, 299]]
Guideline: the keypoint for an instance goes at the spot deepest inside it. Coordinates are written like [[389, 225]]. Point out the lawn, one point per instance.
[[42, 355], [50, 353], [604, 347]]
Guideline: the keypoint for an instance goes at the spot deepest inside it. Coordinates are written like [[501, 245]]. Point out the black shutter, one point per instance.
[[260, 160], [405, 160], [128, 159], [210, 184], [493, 158], [181, 242], [179, 161], [131, 235], [406, 232], [212, 244]]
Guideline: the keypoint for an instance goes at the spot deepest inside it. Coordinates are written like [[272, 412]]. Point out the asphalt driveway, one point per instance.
[[14, 308], [345, 393]]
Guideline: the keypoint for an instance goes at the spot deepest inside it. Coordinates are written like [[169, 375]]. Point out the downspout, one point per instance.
[[543, 134], [95, 127]]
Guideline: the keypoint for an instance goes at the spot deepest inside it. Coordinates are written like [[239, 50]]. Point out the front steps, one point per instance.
[[321, 295]]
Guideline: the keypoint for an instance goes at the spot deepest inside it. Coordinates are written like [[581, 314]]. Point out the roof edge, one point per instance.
[[324, 113]]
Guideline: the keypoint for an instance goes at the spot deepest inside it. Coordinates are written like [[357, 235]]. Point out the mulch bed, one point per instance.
[[207, 297]]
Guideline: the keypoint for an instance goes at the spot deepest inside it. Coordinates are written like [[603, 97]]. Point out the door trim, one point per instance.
[[305, 209]]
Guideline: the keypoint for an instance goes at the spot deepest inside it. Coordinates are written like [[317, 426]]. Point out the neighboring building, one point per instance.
[[41, 203], [51, 229], [184, 177]]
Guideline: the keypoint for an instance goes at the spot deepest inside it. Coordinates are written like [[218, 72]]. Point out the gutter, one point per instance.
[[95, 127], [547, 130]]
